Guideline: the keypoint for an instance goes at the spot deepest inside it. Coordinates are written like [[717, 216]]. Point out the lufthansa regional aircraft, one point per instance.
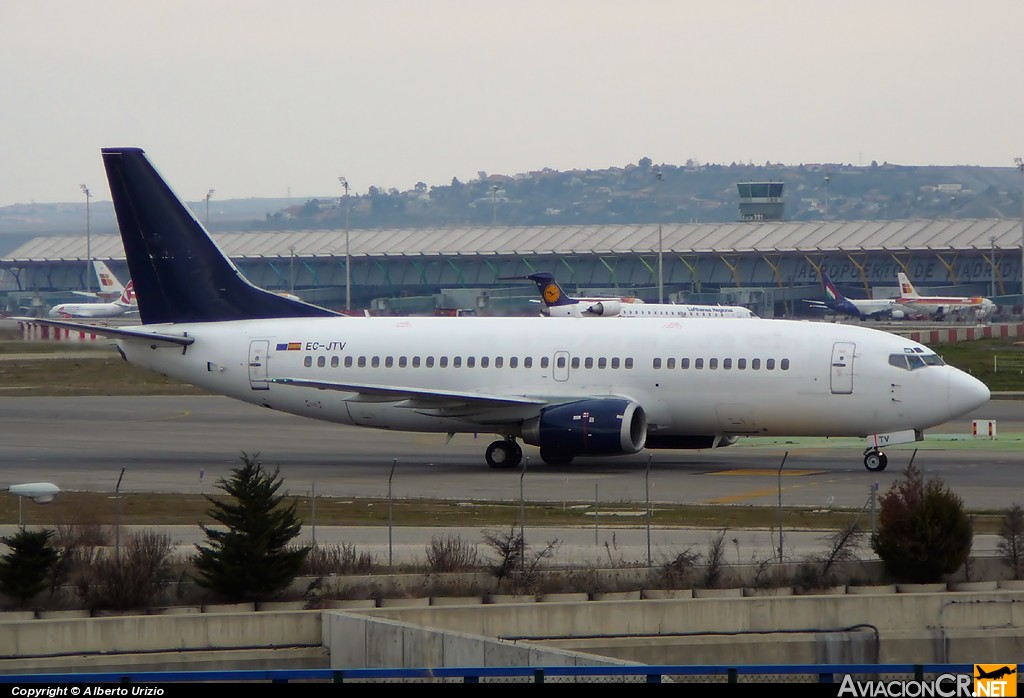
[[568, 386], [558, 303]]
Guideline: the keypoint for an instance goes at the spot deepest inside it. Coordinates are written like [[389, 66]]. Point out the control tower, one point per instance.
[[760, 201]]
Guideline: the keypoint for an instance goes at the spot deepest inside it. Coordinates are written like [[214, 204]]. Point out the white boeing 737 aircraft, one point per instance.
[[569, 386]]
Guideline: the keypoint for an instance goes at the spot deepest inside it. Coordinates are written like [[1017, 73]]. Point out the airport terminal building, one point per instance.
[[768, 265]]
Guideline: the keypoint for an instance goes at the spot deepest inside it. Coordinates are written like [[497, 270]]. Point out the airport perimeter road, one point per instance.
[[184, 444]]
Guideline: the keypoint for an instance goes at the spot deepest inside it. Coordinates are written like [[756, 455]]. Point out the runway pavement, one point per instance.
[[184, 444]]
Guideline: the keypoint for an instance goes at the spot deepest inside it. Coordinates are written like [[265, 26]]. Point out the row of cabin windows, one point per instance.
[[468, 362], [726, 364], [576, 362]]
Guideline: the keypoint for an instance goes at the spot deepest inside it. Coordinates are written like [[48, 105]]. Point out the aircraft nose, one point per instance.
[[966, 393]]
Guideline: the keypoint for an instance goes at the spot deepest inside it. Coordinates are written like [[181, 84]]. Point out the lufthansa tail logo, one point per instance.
[[551, 293]]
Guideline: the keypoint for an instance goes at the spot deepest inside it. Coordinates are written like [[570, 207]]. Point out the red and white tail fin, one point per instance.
[[127, 295], [906, 288]]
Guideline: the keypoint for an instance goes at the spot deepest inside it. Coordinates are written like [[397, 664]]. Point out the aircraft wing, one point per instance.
[[414, 397], [136, 333]]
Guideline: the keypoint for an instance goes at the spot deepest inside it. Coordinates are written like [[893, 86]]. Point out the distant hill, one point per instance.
[[633, 193]]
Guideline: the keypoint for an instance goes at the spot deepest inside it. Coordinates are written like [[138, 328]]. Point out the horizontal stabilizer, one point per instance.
[[115, 332]]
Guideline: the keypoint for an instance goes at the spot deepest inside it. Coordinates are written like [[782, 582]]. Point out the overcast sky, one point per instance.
[[265, 98]]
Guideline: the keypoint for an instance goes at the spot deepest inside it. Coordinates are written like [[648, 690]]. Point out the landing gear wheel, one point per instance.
[[503, 454], [555, 457], [875, 461]]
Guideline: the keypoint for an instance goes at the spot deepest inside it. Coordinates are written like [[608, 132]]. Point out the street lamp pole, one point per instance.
[[88, 241], [348, 274], [992, 263], [208, 195], [661, 276], [1019, 162]]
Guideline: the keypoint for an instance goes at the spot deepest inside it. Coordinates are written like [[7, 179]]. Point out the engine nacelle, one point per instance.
[[897, 315], [608, 427], [604, 308], [695, 441]]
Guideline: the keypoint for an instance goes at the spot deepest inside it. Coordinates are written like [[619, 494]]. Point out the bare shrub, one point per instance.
[[132, 580], [89, 534], [451, 554], [336, 559], [679, 572], [1011, 543], [514, 567], [820, 570], [714, 562]]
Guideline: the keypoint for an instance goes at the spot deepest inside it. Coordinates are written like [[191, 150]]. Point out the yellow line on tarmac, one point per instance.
[[767, 472]]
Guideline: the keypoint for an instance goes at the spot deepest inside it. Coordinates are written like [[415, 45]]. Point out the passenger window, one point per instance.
[[513, 362], [402, 361], [308, 361], [684, 363], [741, 364], [713, 364], [348, 362], [334, 362], [361, 362], [657, 363], [698, 363], [321, 361], [670, 363], [430, 362], [375, 362], [784, 364], [629, 362], [770, 364], [543, 362], [415, 362], [615, 362], [528, 362], [498, 361], [485, 361], [443, 362], [726, 363], [560, 362], [589, 363], [575, 363], [389, 361], [602, 362], [457, 362], [755, 364]]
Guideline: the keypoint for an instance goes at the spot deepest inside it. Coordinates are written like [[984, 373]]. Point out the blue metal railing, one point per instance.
[[824, 673]]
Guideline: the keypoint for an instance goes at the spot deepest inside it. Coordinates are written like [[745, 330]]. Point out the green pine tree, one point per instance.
[[29, 566], [924, 531], [250, 560]]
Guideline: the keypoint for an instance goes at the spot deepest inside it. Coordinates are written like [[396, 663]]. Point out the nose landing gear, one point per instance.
[[874, 460]]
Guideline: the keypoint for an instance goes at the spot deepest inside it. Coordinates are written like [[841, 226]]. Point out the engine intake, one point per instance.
[[605, 308], [605, 426]]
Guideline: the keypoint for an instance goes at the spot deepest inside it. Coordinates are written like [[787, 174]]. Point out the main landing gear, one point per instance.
[[504, 453], [875, 460]]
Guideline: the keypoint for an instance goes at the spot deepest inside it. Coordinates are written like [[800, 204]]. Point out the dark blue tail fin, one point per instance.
[[179, 273], [550, 292]]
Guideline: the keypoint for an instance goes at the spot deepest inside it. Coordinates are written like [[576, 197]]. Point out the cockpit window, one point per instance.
[[913, 361]]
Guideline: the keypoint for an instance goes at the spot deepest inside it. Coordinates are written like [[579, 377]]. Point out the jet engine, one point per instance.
[[596, 427], [605, 309], [897, 315]]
